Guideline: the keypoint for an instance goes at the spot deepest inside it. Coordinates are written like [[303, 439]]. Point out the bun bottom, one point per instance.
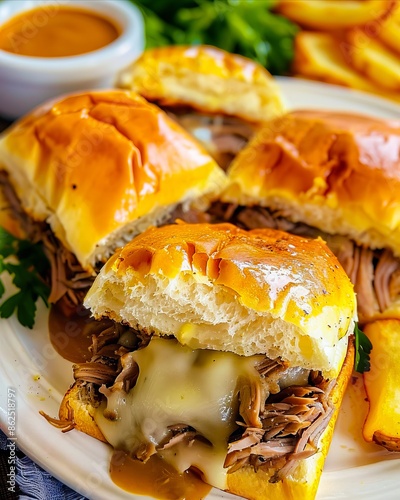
[[246, 482]]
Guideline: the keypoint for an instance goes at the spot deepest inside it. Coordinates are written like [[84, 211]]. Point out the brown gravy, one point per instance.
[[156, 479], [57, 31], [71, 335]]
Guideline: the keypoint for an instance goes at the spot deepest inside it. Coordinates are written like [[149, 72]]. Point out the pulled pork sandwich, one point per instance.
[[219, 97], [334, 175], [89, 171], [236, 360]]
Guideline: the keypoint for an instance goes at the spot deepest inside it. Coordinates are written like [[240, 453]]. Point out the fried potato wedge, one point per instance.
[[389, 31], [333, 14], [382, 384], [7, 218], [319, 56], [373, 59]]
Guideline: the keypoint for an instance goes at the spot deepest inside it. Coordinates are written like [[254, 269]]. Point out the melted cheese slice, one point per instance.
[[179, 385]]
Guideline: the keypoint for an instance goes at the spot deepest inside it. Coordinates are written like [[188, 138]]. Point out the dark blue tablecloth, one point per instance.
[[31, 481]]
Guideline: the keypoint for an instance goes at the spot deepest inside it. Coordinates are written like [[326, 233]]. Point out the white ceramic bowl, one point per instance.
[[26, 82]]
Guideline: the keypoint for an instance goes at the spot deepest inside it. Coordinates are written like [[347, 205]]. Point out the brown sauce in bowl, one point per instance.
[[57, 31]]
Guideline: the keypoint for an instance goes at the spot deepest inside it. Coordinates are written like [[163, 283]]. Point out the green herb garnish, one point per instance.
[[26, 263], [246, 27], [363, 350]]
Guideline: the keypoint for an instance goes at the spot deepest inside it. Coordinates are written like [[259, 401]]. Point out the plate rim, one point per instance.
[[31, 443]]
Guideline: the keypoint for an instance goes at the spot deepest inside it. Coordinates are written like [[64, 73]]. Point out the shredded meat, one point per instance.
[[364, 283], [69, 282], [386, 270], [289, 426], [110, 364], [276, 428], [222, 136], [374, 273]]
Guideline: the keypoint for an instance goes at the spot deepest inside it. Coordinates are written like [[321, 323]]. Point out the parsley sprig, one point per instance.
[[26, 263], [363, 349], [247, 27]]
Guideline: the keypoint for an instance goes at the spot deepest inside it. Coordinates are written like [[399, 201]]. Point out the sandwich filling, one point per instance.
[[211, 410], [222, 136]]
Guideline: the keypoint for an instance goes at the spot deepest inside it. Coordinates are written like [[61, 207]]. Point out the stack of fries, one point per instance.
[[352, 43]]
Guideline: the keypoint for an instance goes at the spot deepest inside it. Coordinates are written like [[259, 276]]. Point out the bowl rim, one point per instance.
[[124, 13]]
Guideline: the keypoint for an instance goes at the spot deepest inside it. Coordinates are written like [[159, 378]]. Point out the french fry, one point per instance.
[[382, 384], [373, 59], [7, 221], [319, 56], [389, 32], [333, 14]]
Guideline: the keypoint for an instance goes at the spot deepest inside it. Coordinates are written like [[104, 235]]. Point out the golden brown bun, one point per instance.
[[333, 14], [81, 411], [304, 481], [335, 171], [301, 484], [206, 78], [102, 166], [223, 288]]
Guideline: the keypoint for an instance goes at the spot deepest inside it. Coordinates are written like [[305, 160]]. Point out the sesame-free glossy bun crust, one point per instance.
[[206, 78], [258, 265], [339, 172], [93, 163], [223, 288]]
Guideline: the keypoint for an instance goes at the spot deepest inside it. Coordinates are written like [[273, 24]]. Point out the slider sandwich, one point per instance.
[[219, 97], [329, 174], [230, 355], [88, 172], [336, 175]]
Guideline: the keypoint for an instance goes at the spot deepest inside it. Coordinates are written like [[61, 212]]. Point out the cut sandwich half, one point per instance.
[[334, 175], [229, 355], [219, 97]]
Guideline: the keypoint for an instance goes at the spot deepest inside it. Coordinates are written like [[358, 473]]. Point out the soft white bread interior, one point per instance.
[[205, 78], [102, 166], [223, 288], [336, 171]]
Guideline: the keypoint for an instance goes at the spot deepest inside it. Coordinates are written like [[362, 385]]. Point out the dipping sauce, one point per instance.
[[71, 335], [57, 31], [156, 478]]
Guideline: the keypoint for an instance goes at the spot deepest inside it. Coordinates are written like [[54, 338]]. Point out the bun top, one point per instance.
[[220, 287], [206, 78], [102, 165], [336, 171]]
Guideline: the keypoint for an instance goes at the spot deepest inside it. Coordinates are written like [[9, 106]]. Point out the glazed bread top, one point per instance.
[[219, 287], [101, 166], [207, 79], [339, 172]]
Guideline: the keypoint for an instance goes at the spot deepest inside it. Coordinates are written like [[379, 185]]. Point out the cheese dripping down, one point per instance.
[[179, 385]]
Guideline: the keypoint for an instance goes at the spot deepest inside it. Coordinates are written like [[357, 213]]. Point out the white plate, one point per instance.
[[353, 469]]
